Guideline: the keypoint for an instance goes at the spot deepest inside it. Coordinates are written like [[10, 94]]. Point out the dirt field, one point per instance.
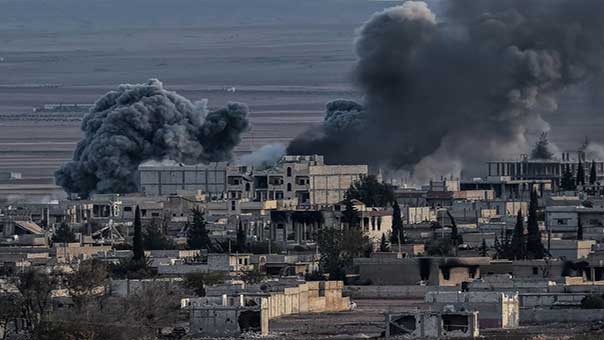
[[367, 322]]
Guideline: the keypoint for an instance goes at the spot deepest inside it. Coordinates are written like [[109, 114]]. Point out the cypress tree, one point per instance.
[[593, 176], [397, 225], [517, 248], [137, 242], [534, 246], [197, 234], [580, 174]]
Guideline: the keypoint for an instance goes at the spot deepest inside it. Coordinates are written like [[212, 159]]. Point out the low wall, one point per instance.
[[393, 292], [536, 300], [545, 316], [310, 297]]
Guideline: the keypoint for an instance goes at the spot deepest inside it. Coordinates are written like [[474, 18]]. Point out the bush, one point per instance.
[[592, 302], [198, 281]]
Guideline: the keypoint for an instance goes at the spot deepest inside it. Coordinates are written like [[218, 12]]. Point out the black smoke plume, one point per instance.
[[136, 123], [440, 94]]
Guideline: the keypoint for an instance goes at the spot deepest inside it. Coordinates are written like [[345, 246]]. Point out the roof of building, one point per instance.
[[30, 226]]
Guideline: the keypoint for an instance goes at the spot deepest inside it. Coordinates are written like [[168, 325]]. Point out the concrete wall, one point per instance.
[[215, 321], [548, 300], [310, 297], [392, 292], [545, 316]]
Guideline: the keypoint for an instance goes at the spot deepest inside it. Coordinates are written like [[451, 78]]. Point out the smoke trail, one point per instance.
[[136, 123], [460, 90]]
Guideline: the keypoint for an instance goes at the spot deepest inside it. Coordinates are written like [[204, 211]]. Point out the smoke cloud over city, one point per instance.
[[443, 94], [142, 122]]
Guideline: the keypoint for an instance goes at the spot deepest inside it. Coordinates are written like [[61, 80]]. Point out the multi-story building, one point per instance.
[[305, 179], [543, 169], [158, 179]]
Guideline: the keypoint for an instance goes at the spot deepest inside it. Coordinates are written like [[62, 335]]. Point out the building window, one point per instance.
[[127, 208], [233, 205], [562, 221], [289, 186], [289, 172], [247, 187], [535, 271]]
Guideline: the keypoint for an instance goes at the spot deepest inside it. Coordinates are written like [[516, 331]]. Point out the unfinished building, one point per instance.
[[431, 324]]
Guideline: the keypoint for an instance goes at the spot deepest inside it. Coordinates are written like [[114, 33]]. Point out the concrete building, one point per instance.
[[507, 187], [496, 309], [432, 325], [157, 179], [411, 271], [540, 169], [570, 249], [305, 179], [564, 220]]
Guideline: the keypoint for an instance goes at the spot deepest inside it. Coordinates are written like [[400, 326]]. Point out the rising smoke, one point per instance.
[[451, 93], [264, 157], [137, 123]]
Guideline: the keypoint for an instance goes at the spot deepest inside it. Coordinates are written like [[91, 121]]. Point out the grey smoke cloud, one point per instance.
[[137, 123], [263, 157], [458, 90]]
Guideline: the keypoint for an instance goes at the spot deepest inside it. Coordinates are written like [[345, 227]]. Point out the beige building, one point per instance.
[[304, 179]]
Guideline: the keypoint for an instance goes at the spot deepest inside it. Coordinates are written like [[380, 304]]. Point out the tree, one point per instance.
[[197, 234], [483, 250], [350, 215], [518, 245], [541, 149], [398, 233], [534, 246], [87, 282], [199, 281], [580, 174], [371, 192], [384, 246], [10, 311], [137, 242], [441, 247], [338, 248], [579, 229], [63, 234], [593, 175], [154, 239], [35, 289], [241, 238], [567, 182]]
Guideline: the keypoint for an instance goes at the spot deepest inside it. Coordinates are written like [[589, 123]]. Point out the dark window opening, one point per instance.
[[403, 325], [452, 322]]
